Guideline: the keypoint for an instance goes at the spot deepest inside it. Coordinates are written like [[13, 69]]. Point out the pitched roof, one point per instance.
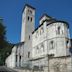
[[45, 15], [27, 5]]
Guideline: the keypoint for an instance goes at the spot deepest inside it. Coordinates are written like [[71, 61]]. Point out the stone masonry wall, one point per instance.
[[61, 64]]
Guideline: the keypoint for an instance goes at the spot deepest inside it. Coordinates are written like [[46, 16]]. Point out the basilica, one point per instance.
[[42, 49]]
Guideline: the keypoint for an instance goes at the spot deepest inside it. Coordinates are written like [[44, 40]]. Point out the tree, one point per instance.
[[5, 46], [2, 35]]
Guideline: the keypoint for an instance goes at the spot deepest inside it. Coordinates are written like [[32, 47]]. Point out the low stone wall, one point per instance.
[[60, 64], [55, 64]]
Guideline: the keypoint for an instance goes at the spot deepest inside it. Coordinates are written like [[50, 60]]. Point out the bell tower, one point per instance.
[[28, 21]]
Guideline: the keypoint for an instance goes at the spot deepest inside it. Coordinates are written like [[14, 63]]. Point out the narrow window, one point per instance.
[[16, 49], [20, 57], [29, 37], [67, 43], [59, 30], [28, 54], [28, 18], [30, 11], [51, 45], [16, 58], [31, 19]]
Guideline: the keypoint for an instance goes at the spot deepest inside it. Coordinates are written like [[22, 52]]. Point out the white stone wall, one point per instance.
[[39, 43], [10, 60], [60, 46], [44, 18], [54, 38], [50, 33], [20, 55], [62, 64], [52, 30], [51, 64]]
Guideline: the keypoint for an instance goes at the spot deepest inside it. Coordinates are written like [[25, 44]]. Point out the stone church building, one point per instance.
[[44, 49]]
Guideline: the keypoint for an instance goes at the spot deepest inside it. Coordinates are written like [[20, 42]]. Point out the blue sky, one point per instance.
[[11, 12]]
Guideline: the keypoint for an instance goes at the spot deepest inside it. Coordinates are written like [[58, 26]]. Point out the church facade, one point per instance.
[[45, 48]]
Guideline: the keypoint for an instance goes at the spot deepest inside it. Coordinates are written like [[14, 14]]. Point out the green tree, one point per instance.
[[2, 35], [5, 46]]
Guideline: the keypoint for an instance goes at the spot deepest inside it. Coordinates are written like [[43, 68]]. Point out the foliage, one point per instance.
[[2, 36], [5, 46]]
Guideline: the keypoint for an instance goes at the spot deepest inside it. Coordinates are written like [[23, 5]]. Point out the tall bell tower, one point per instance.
[[28, 21]]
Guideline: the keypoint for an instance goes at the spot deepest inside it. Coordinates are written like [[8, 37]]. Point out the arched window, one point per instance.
[[59, 30], [51, 45], [67, 44], [30, 11], [28, 18]]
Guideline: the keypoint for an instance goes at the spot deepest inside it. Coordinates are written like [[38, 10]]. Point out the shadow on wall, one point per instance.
[[70, 50], [71, 47]]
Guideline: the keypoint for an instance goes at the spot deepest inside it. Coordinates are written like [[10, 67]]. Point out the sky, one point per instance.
[[11, 12]]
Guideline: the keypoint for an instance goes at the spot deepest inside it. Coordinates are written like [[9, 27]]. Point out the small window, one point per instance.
[[16, 49], [16, 58], [28, 54], [67, 43], [29, 37], [31, 19], [20, 58], [30, 11], [59, 30], [28, 18], [51, 45]]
